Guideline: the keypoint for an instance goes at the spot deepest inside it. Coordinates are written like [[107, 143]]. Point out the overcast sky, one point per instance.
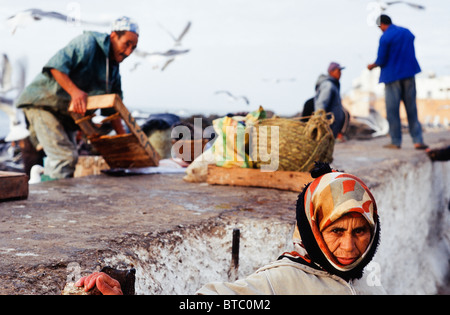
[[235, 45]]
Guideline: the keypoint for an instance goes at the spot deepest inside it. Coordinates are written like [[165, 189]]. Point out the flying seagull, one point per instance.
[[5, 75], [17, 126], [169, 56], [6, 84], [28, 16], [385, 5], [279, 80], [177, 40], [233, 97]]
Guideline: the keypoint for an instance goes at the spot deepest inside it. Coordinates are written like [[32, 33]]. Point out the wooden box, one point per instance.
[[283, 180], [119, 151], [13, 186]]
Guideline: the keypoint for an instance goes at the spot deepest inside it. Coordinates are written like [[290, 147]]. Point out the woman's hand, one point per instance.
[[104, 283]]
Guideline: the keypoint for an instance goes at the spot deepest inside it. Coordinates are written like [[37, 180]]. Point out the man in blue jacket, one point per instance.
[[88, 65], [398, 63]]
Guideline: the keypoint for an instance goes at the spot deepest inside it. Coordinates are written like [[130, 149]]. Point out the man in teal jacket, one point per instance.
[[398, 63], [88, 65]]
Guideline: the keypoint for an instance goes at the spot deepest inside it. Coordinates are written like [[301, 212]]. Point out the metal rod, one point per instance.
[[235, 248]]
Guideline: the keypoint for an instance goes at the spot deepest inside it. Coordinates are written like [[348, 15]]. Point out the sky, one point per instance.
[[242, 46]]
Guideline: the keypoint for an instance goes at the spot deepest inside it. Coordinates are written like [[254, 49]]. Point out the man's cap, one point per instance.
[[125, 24], [333, 66]]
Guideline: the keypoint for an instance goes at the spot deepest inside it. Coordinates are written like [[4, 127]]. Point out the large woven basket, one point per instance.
[[299, 143]]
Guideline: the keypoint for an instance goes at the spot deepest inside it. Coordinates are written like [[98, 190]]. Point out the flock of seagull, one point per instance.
[[164, 58], [26, 17]]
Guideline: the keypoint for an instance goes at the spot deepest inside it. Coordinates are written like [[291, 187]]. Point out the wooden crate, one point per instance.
[[119, 151], [283, 180], [13, 186]]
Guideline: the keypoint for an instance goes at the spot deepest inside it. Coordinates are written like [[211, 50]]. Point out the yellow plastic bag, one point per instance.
[[231, 148]]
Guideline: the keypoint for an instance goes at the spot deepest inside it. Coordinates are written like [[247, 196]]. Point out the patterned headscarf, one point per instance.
[[329, 197]]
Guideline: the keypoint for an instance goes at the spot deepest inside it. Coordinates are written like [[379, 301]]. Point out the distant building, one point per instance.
[[429, 86], [433, 97]]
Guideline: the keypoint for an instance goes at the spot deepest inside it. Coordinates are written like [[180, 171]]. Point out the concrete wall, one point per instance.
[[181, 263], [413, 258], [415, 229]]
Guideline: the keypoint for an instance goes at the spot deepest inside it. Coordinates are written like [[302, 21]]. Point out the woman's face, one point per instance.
[[347, 238]]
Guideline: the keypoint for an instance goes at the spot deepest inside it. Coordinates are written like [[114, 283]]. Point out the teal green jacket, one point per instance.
[[86, 61]]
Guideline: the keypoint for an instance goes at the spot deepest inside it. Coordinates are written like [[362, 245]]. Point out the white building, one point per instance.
[[428, 85]]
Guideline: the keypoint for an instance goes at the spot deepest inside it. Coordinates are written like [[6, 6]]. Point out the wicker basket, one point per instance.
[[299, 144]]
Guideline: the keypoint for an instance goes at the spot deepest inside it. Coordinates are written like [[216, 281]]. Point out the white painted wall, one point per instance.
[[415, 228], [413, 257]]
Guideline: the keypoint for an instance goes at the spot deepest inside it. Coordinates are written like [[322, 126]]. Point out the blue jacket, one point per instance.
[[84, 60], [396, 55]]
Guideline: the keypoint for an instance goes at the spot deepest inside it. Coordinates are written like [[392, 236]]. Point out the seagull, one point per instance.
[[28, 16], [177, 40], [5, 79], [376, 122], [385, 5], [169, 56], [234, 98], [35, 174], [17, 126], [279, 80]]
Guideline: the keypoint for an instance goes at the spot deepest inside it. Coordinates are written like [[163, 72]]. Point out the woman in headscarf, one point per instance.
[[336, 236]]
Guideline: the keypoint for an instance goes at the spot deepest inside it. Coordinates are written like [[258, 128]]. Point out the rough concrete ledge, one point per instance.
[[178, 235], [87, 220]]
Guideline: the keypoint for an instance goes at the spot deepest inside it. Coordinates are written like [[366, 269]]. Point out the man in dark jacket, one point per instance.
[[328, 97], [398, 63], [88, 65]]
